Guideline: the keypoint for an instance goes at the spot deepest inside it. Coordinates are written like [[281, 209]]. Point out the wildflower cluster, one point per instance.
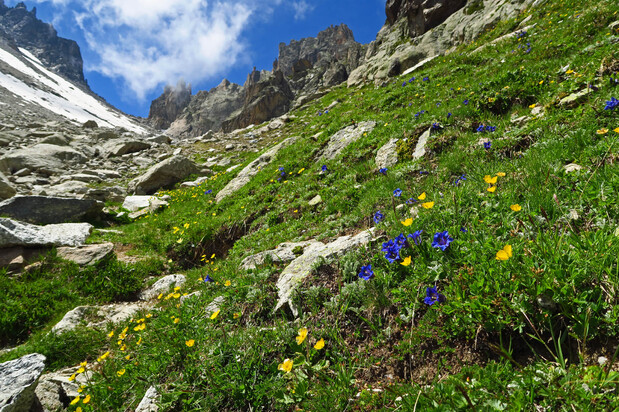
[[485, 128], [611, 104]]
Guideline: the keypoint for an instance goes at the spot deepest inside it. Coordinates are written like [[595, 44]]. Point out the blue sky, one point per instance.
[[132, 48]]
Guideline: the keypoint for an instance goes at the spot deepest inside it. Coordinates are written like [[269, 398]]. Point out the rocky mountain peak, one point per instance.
[[422, 15], [166, 108], [61, 55]]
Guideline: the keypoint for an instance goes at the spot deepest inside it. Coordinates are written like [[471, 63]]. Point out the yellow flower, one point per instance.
[[176, 289], [80, 370], [84, 363], [286, 366], [149, 315], [602, 131], [489, 179], [128, 357], [301, 171], [236, 315], [502, 174], [176, 320], [180, 240], [428, 205], [227, 283], [120, 372], [302, 335], [109, 335], [190, 343], [532, 106], [213, 256], [75, 400], [123, 348], [160, 296], [491, 99], [215, 314], [86, 399], [407, 222], [504, 253], [570, 71], [541, 82], [320, 344], [176, 295], [491, 189], [516, 207], [616, 130], [422, 196], [139, 342], [78, 409], [71, 378], [406, 261]]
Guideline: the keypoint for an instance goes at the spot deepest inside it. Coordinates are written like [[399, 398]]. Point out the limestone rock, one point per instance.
[[55, 391], [252, 169], [149, 401], [387, 155], [163, 175], [301, 266], [45, 210], [6, 189], [121, 147], [420, 149], [215, 305], [163, 285], [316, 200], [87, 254], [18, 380], [574, 99], [284, 253], [340, 140], [90, 316], [14, 233], [45, 158], [166, 108], [572, 167], [135, 203]]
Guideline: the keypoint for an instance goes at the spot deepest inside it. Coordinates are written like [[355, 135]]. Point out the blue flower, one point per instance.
[[442, 240], [412, 79], [490, 128], [487, 145], [383, 170], [611, 104], [208, 279], [466, 101], [463, 229], [326, 112], [319, 113], [366, 272], [416, 236], [324, 168], [403, 84], [411, 201], [208, 192], [392, 251], [400, 241], [378, 217], [425, 79], [432, 296], [480, 128], [436, 126], [458, 180], [448, 115], [397, 192]]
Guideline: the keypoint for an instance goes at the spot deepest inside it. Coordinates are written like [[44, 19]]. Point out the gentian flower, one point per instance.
[[416, 236], [480, 128], [463, 229], [432, 296], [490, 128], [397, 192], [208, 279], [466, 101], [378, 217], [412, 79], [442, 240], [487, 145], [425, 79], [208, 192], [401, 241], [392, 251], [324, 168], [403, 84], [383, 170], [611, 104], [448, 115], [366, 272], [436, 126]]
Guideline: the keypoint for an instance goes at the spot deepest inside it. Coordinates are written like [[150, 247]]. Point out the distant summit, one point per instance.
[[22, 28]]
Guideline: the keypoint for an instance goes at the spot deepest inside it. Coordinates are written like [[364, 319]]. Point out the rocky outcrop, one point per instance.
[[387, 155], [6, 189], [62, 56], [207, 110], [90, 316], [163, 285], [46, 158], [416, 31], [340, 140], [163, 175], [167, 107], [18, 380], [87, 254], [45, 210], [252, 169], [14, 233], [149, 401]]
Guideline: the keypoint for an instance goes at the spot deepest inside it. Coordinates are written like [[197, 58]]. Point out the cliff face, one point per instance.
[[25, 30], [303, 68], [166, 108], [421, 15]]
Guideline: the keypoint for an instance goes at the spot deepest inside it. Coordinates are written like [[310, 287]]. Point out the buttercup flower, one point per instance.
[[407, 222], [302, 335], [504, 253], [215, 314], [406, 261], [320, 344], [516, 207], [428, 205], [190, 343], [285, 366]]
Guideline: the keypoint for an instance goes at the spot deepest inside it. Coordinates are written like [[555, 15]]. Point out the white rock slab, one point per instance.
[[14, 233]]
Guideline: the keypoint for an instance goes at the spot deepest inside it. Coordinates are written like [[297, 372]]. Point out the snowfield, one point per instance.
[[67, 100]]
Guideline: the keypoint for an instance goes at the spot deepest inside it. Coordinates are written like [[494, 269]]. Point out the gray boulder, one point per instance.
[[6, 189], [87, 254], [387, 155], [43, 157], [163, 175], [14, 233], [121, 147], [94, 316], [284, 253], [45, 210], [340, 140], [301, 266], [252, 169], [18, 380], [149, 401]]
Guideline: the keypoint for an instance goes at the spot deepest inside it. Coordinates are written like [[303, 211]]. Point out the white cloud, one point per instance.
[[147, 43], [301, 8]]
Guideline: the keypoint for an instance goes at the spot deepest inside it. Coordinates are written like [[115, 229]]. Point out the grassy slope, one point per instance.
[[516, 334]]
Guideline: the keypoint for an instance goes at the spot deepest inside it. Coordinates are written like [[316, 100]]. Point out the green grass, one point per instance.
[[526, 333]]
